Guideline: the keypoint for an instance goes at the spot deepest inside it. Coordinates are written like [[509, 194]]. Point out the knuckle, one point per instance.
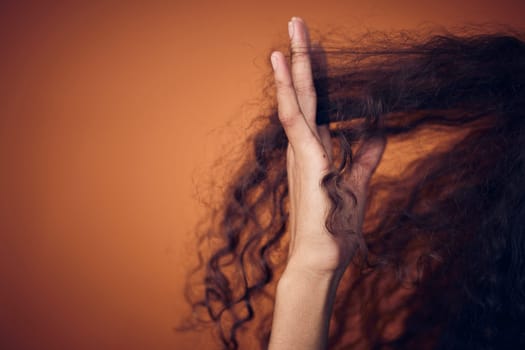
[[283, 84], [289, 119], [299, 48], [305, 88], [300, 55]]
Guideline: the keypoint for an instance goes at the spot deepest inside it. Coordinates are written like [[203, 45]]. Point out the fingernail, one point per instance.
[[273, 59], [290, 28]]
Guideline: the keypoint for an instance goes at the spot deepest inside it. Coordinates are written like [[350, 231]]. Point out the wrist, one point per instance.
[[298, 270], [322, 284], [303, 308]]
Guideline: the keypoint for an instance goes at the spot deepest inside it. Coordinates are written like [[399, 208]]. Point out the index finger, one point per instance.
[[295, 126]]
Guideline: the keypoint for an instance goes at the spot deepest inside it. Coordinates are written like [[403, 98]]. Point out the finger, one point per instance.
[[365, 162], [290, 114], [302, 69], [320, 65], [292, 207]]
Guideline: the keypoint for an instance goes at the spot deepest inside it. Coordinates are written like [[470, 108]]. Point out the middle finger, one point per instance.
[[302, 70]]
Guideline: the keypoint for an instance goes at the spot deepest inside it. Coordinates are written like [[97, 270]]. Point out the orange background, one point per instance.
[[110, 112]]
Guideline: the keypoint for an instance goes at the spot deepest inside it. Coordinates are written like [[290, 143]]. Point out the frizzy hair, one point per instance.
[[450, 226]]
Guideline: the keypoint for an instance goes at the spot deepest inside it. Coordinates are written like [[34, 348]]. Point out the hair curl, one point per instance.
[[444, 236]]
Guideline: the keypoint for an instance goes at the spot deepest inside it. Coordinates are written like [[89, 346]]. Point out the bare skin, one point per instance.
[[317, 259]]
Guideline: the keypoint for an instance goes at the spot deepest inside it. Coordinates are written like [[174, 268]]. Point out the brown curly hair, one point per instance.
[[444, 234]]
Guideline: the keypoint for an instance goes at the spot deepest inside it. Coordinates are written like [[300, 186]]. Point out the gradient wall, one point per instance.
[[110, 113]]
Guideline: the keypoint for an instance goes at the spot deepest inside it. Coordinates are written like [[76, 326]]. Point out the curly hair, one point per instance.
[[444, 233]]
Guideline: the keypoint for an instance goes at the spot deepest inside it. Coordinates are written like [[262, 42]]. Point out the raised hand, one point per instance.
[[313, 249], [317, 258]]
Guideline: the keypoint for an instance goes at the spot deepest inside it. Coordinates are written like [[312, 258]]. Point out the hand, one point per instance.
[[313, 249]]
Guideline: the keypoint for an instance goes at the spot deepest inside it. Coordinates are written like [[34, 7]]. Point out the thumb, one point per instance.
[[365, 162]]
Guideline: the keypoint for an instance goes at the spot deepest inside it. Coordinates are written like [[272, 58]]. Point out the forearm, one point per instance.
[[303, 306]]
